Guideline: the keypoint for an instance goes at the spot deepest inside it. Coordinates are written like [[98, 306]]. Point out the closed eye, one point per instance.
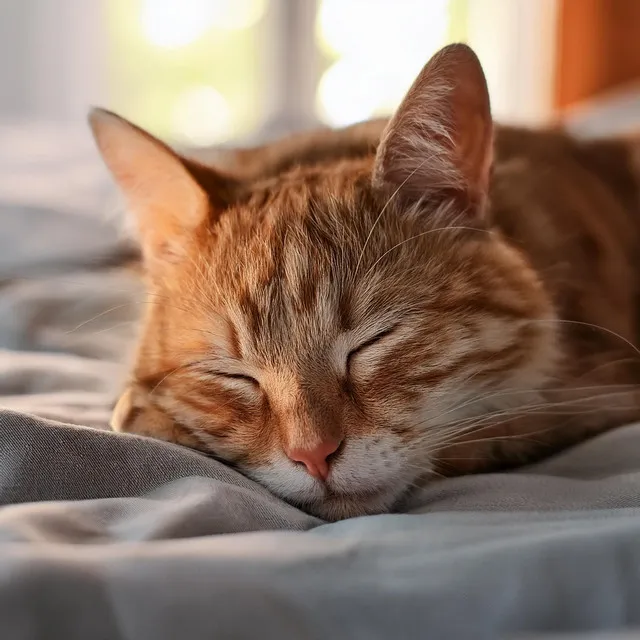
[[240, 377], [366, 345]]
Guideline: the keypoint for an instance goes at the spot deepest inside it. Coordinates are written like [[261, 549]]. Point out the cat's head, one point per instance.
[[325, 325]]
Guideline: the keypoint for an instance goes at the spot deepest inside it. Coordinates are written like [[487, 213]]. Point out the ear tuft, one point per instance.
[[441, 137]]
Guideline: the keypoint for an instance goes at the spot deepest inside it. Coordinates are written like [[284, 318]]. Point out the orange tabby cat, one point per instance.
[[346, 314]]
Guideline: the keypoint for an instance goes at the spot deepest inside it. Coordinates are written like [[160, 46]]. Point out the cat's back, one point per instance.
[[552, 192], [573, 207], [565, 163]]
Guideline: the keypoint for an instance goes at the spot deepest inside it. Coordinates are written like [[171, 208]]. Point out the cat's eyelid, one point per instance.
[[380, 335], [366, 344], [232, 375]]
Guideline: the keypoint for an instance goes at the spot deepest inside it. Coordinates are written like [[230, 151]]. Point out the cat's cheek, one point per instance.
[[376, 461]]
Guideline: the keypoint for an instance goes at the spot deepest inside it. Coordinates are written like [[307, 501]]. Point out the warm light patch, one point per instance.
[[377, 53], [172, 24], [202, 116]]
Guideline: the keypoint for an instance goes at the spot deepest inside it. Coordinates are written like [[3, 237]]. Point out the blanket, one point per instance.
[[113, 536]]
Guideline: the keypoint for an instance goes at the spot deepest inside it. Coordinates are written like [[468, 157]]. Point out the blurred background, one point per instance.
[[209, 72]]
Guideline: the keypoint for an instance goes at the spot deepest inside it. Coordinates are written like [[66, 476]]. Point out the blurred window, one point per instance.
[[371, 54], [202, 71], [188, 70], [218, 71]]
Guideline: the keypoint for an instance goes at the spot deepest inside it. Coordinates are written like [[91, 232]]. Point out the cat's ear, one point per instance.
[[441, 137], [163, 196]]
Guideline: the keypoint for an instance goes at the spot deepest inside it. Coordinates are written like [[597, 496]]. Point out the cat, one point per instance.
[[345, 315]]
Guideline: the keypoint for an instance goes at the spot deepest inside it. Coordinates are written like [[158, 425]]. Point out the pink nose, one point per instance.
[[315, 458]]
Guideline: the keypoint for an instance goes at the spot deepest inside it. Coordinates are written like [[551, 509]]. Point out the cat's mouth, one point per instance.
[[340, 505], [340, 498]]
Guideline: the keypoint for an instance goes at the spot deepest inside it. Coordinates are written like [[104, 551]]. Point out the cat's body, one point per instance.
[[573, 208], [344, 318]]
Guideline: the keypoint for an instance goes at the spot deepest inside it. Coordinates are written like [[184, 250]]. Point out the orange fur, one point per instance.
[[374, 286]]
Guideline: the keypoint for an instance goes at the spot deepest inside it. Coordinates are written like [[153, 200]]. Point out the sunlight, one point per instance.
[[343, 101], [202, 116], [172, 24], [376, 53]]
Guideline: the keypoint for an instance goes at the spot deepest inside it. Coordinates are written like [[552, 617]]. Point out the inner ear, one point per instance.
[[441, 137]]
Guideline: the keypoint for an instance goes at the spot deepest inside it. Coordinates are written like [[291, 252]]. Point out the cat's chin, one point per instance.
[[335, 506]]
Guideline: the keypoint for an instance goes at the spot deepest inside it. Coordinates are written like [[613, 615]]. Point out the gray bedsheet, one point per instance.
[[108, 536]]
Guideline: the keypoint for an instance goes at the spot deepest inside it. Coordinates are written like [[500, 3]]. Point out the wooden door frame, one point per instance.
[[598, 46]]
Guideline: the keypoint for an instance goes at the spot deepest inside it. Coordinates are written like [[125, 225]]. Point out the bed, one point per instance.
[[111, 536]]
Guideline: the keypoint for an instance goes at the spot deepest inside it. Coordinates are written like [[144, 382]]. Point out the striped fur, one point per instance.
[[463, 294]]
